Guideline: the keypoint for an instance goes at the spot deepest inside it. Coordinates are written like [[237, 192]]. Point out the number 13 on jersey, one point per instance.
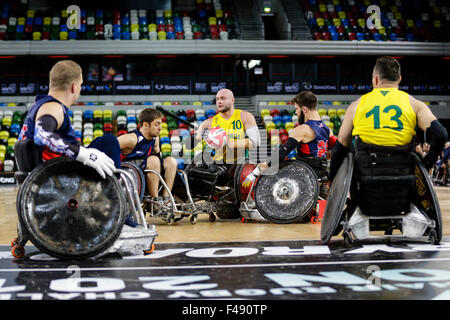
[[375, 112]]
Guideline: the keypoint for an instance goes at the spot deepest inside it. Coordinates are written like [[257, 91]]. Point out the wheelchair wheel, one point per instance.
[[338, 206], [288, 195], [70, 212], [427, 199], [138, 175], [242, 171]]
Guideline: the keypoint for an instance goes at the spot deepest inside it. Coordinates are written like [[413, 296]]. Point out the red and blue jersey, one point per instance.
[[319, 146], [142, 150], [51, 147]]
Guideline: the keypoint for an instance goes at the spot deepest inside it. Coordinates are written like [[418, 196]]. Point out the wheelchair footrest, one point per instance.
[[133, 241], [414, 224], [250, 212]]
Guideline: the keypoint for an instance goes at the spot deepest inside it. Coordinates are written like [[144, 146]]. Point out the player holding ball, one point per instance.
[[240, 128]]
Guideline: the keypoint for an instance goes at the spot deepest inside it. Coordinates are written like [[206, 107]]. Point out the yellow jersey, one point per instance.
[[235, 131], [385, 117]]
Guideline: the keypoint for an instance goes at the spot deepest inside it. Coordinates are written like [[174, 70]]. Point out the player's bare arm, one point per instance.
[[127, 142], [204, 125], [423, 113], [156, 148], [54, 109], [345, 132]]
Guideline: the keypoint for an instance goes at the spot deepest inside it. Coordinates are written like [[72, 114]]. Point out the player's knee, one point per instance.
[[153, 163], [170, 164]]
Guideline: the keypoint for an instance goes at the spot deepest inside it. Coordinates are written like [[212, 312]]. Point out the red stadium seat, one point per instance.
[[108, 127], [274, 112]]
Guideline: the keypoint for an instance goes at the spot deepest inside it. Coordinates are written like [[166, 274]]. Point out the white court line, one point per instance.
[[230, 265]]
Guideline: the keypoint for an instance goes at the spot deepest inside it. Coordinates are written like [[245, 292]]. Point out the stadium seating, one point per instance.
[[405, 20], [208, 21]]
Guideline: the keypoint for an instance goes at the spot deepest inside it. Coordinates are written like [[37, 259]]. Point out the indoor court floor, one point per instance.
[[208, 260]]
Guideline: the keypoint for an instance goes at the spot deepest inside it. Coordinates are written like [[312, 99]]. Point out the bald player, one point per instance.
[[387, 116], [242, 130]]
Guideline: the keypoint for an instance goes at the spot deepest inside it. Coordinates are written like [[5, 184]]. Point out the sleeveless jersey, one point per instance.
[[318, 147], [142, 150], [385, 117], [235, 131], [66, 130]]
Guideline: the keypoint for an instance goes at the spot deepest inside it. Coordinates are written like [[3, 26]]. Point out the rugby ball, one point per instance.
[[217, 138]]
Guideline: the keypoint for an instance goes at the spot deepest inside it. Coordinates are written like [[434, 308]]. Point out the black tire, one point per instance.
[[139, 177], [70, 212]]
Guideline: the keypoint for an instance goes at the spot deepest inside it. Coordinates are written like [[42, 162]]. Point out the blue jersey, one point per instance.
[[318, 147], [142, 150], [65, 131]]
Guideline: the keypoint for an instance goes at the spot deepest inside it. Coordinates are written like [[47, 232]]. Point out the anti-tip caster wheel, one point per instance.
[[14, 242], [152, 248], [212, 217], [432, 237], [18, 251], [193, 219], [315, 219]]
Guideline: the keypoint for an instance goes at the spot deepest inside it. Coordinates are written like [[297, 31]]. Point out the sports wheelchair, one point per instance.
[[171, 210], [382, 189], [67, 211], [288, 195]]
